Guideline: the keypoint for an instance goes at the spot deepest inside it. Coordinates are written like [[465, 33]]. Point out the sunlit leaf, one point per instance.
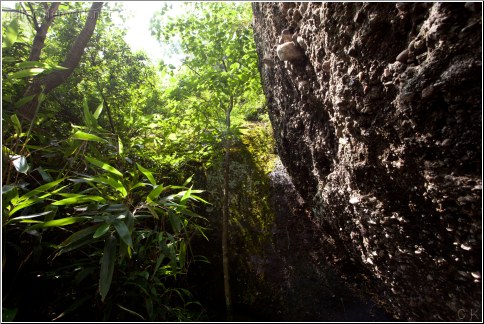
[[98, 111], [26, 73], [104, 166], [155, 193], [115, 184], [42, 188], [16, 124], [79, 135], [11, 34], [59, 222], [20, 163], [120, 146], [78, 200], [147, 173]]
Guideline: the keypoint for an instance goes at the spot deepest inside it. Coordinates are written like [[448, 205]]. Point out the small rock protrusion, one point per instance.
[[386, 73], [302, 42], [403, 56], [428, 92], [289, 52], [326, 66]]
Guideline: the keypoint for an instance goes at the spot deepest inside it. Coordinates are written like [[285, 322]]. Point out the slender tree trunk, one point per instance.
[[53, 80], [226, 215]]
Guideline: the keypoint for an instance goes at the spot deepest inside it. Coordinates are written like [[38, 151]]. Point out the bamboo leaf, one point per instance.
[[103, 165], [59, 222], [26, 73], [98, 111], [103, 229], [120, 146], [16, 124], [11, 34], [123, 232], [79, 135], [42, 188], [147, 174], [115, 184], [78, 200], [107, 266], [155, 193], [77, 236], [186, 196]]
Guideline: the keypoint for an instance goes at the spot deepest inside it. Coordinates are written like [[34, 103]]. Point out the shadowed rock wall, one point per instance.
[[376, 110]]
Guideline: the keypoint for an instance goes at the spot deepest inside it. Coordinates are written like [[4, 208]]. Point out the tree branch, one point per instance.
[[34, 17], [73, 57], [40, 36]]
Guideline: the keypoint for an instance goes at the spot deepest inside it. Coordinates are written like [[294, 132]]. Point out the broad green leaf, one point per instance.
[[29, 216], [42, 188], [120, 146], [103, 229], [33, 64], [24, 204], [79, 235], [88, 118], [187, 181], [175, 222], [26, 73], [155, 193], [98, 111], [147, 173], [20, 163], [16, 124], [45, 176], [186, 196], [123, 232], [11, 34], [107, 266], [9, 59], [59, 222], [103, 165], [172, 137], [79, 135], [115, 184], [78, 200]]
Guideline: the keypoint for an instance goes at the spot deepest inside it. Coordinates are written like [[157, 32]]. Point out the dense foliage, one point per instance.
[[97, 200]]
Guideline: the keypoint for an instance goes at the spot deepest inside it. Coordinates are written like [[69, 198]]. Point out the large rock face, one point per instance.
[[376, 110]]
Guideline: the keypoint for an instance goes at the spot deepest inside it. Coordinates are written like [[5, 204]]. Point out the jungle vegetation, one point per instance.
[[101, 150]]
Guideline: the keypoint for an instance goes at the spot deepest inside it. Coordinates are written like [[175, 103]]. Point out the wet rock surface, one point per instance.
[[379, 126]]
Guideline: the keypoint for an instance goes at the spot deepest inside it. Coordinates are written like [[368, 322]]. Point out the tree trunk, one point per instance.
[[41, 34], [226, 214], [49, 82]]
